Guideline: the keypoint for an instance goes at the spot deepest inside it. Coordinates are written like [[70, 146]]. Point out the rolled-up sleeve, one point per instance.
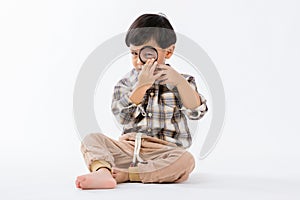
[[200, 111], [122, 107]]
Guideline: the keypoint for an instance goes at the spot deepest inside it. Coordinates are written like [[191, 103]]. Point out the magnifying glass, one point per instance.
[[148, 52]]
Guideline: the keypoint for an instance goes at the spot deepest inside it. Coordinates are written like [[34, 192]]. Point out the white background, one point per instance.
[[254, 45]]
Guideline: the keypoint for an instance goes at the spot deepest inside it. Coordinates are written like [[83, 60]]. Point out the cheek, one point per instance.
[[134, 61], [161, 59]]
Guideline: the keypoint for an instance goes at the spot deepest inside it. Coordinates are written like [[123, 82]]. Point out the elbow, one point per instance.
[[123, 119]]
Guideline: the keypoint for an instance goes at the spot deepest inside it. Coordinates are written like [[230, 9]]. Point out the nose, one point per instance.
[[139, 62]]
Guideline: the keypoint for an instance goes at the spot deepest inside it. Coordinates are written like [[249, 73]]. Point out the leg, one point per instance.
[[164, 162], [171, 166], [101, 151]]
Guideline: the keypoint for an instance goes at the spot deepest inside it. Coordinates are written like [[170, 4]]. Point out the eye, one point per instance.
[[134, 53], [148, 55]]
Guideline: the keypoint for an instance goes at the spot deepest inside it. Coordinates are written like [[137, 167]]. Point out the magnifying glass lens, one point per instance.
[[148, 53]]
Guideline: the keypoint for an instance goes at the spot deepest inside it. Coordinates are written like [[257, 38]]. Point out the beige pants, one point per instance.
[[164, 161]]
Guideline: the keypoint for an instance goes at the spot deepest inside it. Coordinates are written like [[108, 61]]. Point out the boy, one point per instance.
[[152, 102]]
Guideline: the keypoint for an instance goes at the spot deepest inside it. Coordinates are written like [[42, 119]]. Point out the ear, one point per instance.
[[169, 51]]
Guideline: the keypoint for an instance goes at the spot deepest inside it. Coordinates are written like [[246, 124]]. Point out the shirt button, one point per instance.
[[151, 94], [150, 114], [149, 130]]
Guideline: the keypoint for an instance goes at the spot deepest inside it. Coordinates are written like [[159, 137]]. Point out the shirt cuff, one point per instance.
[[196, 113]]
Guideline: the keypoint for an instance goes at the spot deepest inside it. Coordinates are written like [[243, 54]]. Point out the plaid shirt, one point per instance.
[[161, 114]]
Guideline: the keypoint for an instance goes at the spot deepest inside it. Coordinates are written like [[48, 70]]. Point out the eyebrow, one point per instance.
[[132, 49]]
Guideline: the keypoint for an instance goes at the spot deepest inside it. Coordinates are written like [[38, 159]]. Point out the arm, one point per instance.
[[138, 93], [189, 97], [199, 111], [194, 104], [128, 97], [123, 108]]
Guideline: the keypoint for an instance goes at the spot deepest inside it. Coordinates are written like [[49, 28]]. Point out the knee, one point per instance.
[[92, 138], [188, 165], [188, 161]]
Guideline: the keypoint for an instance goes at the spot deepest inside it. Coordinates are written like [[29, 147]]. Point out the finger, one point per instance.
[[159, 74], [157, 69], [145, 66], [148, 64], [162, 66], [162, 77], [161, 69], [152, 60], [165, 81], [153, 67], [155, 72]]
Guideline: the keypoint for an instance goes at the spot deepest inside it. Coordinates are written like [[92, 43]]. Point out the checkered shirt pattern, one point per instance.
[[161, 114]]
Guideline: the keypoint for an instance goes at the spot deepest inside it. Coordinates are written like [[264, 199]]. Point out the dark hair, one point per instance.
[[151, 26]]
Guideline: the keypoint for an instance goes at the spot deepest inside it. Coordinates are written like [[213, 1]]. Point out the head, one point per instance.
[[151, 30]]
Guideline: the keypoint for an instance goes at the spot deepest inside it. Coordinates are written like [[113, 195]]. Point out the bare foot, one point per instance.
[[101, 179], [120, 175]]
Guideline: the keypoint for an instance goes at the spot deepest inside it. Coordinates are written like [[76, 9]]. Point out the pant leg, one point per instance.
[[172, 165], [98, 147], [164, 162]]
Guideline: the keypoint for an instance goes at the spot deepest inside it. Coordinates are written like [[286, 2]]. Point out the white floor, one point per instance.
[[45, 167], [230, 180], [205, 186]]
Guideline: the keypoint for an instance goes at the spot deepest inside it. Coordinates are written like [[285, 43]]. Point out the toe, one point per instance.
[[81, 178], [77, 183], [83, 184]]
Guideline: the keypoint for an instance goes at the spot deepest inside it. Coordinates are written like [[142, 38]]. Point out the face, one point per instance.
[[163, 54]]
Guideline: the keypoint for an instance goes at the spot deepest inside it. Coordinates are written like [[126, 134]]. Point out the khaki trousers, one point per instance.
[[164, 162]]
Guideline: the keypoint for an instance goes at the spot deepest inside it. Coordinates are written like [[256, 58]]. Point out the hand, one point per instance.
[[147, 75], [169, 76]]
